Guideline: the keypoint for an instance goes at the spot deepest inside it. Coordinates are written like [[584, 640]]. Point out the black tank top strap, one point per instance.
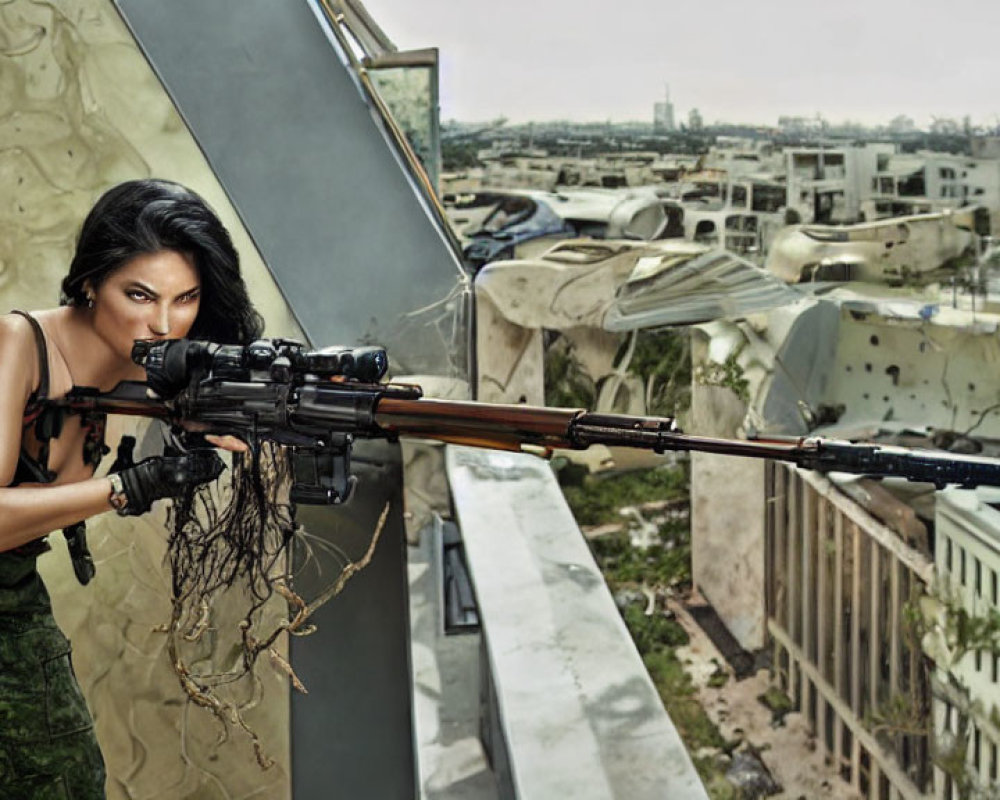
[[31, 469], [47, 420], [41, 394]]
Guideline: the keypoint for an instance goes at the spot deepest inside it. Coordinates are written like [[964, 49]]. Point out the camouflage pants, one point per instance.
[[47, 743]]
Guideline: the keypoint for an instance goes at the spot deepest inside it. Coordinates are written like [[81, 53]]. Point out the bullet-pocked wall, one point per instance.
[[80, 110]]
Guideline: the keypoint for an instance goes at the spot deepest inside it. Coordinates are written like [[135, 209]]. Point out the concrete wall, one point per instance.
[[864, 363], [727, 512]]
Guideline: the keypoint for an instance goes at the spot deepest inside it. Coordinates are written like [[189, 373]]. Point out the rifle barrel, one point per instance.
[[660, 434], [509, 426]]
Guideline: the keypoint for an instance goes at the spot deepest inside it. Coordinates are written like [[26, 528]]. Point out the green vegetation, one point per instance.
[[662, 359], [595, 500], [719, 678], [938, 624], [677, 693], [728, 374], [652, 632], [624, 565], [459, 155], [949, 633], [779, 703], [566, 383]]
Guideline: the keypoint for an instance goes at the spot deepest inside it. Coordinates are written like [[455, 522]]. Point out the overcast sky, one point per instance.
[[864, 60]]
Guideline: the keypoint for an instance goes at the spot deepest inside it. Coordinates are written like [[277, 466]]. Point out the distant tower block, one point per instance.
[[663, 113]]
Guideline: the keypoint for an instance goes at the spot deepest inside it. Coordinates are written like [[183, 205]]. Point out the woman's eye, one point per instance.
[[189, 298], [135, 294]]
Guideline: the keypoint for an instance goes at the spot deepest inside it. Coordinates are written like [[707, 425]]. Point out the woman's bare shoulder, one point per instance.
[[18, 352], [15, 330]]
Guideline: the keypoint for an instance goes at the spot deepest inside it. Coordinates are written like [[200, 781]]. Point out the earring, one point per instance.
[[90, 301]]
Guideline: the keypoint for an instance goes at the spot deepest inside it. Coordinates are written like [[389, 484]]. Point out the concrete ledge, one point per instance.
[[577, 710]]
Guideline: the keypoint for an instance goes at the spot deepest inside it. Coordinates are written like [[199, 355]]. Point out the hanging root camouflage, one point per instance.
[[240, 544]]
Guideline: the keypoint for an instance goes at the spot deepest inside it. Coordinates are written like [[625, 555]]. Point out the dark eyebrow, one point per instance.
[[155, 295], [140, 285]]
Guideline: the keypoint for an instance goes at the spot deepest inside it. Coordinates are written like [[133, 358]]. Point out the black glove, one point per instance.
[[166, 476]]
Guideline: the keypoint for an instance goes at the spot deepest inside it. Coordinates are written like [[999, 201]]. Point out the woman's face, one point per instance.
[[151, 296]]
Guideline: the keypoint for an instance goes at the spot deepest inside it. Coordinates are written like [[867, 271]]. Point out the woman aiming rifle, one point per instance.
[[152, 262]]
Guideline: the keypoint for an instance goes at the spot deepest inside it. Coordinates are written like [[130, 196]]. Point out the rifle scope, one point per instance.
[[171, 364]]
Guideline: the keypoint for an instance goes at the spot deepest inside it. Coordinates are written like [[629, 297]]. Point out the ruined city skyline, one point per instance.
[[863, 62]]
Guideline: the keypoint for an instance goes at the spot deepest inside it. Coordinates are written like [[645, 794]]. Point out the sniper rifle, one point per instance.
[[318, 402]]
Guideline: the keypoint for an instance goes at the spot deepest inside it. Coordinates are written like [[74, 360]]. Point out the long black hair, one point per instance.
[[236, 539], [231, 539], [149, 216]]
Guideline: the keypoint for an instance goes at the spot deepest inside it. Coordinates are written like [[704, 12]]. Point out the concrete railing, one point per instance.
[[568, 708]]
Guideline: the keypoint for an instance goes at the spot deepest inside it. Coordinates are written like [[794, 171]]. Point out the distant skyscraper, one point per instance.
[[663, 114]]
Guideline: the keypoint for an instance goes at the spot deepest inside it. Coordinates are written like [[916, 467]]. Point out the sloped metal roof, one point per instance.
[[695, 290]]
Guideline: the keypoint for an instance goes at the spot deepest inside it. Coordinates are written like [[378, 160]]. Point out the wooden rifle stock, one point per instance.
[[508, 427], [501, 427]]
